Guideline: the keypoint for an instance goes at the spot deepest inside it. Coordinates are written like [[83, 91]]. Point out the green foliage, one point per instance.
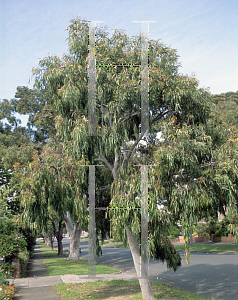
[[175, 102], [213, 226], [233, 217], [202, 229], [224, 228], [41, 114], [220, 232], [15, 239], [173, 232], [15, 142], [226, 107], [12, 243], [23, 257]]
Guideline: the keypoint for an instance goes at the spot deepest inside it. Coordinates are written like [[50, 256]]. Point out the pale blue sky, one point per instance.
[[204, 32]]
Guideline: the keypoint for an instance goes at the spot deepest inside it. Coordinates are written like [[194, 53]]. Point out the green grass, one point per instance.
[[115, 243], [119, 290], [210, 247], [47, 251], [108, 243], [62, 266]]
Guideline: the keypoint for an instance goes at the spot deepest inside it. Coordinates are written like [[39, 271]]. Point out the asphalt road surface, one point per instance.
[[209, 275]]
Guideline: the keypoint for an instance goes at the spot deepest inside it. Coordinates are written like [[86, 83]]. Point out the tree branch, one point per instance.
[[69, 223], [104, 160], [130, 115], [105, 111], [160, 116], [115, 166], [107, 187], [128, 152]]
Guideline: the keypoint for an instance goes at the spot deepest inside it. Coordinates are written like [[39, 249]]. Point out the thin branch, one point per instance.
[[107, 187], [105, 111], [115, 166], [104, 160], [130, 115], [160, 116], [128, 152], [54, 168]]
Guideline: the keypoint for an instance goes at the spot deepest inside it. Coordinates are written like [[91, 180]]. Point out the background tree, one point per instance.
[[224, 128], [40, 125], [53, 192]]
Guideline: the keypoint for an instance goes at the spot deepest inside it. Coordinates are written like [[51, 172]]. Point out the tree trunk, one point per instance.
[[74, 234], [59, 237], [147, 293], [48, 239]]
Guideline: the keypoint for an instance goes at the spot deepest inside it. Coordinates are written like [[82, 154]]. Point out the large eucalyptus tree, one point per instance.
[[172, 96]]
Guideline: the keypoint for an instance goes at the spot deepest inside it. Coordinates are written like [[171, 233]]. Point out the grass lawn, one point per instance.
[[60, 266], [119, 290], [210, 247], [117, 244], [47, 251], [108, 243]]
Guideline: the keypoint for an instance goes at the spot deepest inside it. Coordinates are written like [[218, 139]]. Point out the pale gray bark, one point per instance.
[[49, 238], [147, 293], [74, 234]]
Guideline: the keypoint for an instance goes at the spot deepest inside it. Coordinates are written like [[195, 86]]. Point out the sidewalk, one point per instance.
[[31, 287]]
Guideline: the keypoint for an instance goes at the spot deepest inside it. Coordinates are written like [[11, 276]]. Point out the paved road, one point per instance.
[[210, 275]]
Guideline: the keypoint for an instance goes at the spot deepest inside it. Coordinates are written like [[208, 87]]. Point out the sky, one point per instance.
[[204, 33]]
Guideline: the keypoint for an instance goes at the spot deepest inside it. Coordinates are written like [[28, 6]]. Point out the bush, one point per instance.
[[11, 245], [219, 232], [225, 226], [6, 291], [213, 226], [174, 232], [23, 262], [30, 239], [202, 229], [14, 240]]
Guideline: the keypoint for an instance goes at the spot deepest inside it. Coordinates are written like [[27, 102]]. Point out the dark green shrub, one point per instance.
[[23, 262], [30, 238], [213, 226], [225, 226], [202, 229], [219, 232], [174, 232]]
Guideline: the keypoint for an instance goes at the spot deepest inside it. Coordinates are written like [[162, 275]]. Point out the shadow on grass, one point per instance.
[[119, 290]]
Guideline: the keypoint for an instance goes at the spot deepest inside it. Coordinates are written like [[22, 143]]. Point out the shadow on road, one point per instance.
[[219, 282]]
